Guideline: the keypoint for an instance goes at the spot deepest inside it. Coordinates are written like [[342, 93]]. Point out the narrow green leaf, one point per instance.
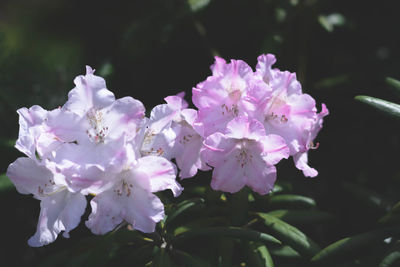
[[290, 235], [393, 216], [197, 5], [285, 252], [395, 84], [391, 259], [290, 201], [381, 105], [353, 243], [140, 256], [367, 196], [124, 235], [203, 222], [259, 255], [5, 184], [233, 232], [183, 207], [162, 259], [225, 252], [190, 260], [301, 216]]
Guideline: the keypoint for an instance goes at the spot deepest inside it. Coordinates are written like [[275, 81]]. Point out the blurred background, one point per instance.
[[152, 49]]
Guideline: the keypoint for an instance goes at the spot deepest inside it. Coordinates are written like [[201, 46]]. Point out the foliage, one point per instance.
[[347, 216]]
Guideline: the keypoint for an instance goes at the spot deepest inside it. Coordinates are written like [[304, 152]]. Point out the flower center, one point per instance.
[[123, 189], [97, 131], [243, 157], [278, 110]]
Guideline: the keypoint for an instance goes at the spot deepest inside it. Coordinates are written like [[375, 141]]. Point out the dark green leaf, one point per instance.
[[395, 84], [391, 259], [162, 259], [233, 232], [366, 196], [190, 260], [5, 184], [393, 216], [353, 243], [197, 5], [285, 252], [183, 207], [381, 105], [290, 235], [290, 201], [259, 255], [301, 216]]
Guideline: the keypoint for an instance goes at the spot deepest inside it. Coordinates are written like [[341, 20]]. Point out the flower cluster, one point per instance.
[[97, 145], [251, 120]]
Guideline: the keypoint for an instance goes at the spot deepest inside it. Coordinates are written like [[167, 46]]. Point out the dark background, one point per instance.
[[152, 49]]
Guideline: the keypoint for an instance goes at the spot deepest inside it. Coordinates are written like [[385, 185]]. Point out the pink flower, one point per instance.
[[131, 198], [169, 133], [288, 112], [244, 155], [60, 209], [220, 97]]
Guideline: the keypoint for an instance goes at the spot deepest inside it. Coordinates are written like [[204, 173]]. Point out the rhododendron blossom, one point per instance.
[[245, 123], [244, 155], [88, 146]]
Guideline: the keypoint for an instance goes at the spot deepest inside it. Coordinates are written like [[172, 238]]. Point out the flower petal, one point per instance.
[[59, 212], [156, 174]]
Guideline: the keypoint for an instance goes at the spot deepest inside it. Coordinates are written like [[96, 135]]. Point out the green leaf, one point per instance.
[[208, 221], [301, 216], [290, 235], [232, 232], [259, 255], [162, 259], [393, 216], [387, 107], [285, 252], [350, 244], [197, 5], [367, 196], [190, 260], [290, 201], [395, 84], [124, 236], [140, 256], [225, 252], [5, 184], [183, 207], [390, 259]]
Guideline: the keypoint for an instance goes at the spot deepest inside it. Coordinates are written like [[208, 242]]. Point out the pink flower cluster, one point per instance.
[[97, 145], [251, 120]]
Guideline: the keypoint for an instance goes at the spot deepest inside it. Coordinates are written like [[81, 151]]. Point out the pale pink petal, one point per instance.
[[156, 174], [61, 211], [301, 162], [218, 67], [133, 204], [275, 148], [31, 178], [29, 129], [264, 65], [216, 147], [228, 177], [187, 152], [260, 176], [123, 117], [242, 127], [90, 91]]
